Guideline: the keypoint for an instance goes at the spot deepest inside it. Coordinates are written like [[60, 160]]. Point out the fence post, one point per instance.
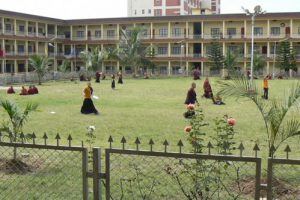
[[107, 172], [270, 177], [85, 189], [96, 173], [257, 181]]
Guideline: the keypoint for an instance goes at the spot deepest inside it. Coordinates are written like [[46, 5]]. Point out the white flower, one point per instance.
[[91, 128]]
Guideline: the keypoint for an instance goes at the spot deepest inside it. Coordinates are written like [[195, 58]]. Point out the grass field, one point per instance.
[[140, 108]]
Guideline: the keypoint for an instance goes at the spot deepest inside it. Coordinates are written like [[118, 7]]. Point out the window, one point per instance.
[[157, 2], [149, 11], [275, 30], [258, 31], [135, 12], [163, 32], [110, 33], [157, 12], [30, 29], [98, 34], [143, 11], [30, 49], [8, 27], [162, 50], [176, 50], [176, 31], [21, 49], [215, 32], [231, 31], [80, 34], [22, 28]]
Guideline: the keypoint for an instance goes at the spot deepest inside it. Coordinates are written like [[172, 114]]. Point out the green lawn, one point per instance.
[[140, 108]]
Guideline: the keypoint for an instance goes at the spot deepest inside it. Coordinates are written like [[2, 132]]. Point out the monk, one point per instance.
[[35, 90], [266, 88], [207, 89], [88, 105], [191, 97], [10, 90], [23, 91], [30, 90]]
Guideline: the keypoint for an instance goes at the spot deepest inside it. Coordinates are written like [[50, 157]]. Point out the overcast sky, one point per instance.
[[80, 9]]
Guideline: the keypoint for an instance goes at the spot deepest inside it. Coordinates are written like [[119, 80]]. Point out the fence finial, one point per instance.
[[241, 148], [180, 144], [287, 150], [123, 141], [45, 137], [110, 140], [209, 146], [166, 144], [33, 137], [137, 142], [70, 140], [151, 143], [256, 149], [57, 139]]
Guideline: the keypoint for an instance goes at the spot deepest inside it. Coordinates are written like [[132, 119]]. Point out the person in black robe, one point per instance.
[[88, 105], [120, 79], [98, 75], [191, 97], [113, 83]]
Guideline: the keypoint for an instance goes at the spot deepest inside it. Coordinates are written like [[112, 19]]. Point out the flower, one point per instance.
[[191, 107], [231, 121], [188, 129], [91, 128]]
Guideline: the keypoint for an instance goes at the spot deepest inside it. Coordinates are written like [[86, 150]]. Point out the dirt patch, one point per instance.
[[19, 167], [281, 189]]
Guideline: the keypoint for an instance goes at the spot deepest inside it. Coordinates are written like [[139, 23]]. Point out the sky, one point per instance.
[[84, 9]]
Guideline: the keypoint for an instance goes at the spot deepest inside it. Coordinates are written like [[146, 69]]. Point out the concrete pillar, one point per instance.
[[26, 28], [3, 25], [71, 32], [151, 30], [118, 31], [102, 32], [46, 30], [15, 27], [15, 66], [169, 29], [36, 29], [224, 30], [169, 68], [202, 31], [268, 28], [86, 32], [169, 49]]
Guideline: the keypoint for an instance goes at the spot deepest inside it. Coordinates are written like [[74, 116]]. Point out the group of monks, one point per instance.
[[30, 91]]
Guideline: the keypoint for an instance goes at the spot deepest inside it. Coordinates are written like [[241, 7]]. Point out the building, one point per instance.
[[181, 42], [146, 8]]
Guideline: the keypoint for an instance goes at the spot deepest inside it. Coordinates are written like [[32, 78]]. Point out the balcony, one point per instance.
[[95, 37], [21, 33], [160, 36], [31, 34], [80, 38], [161, 56], [41, 35], [195, 37], [145, 37], [8, 32], [295, 35], [21, 53], [195, 55], [60, 36], [110, 37], [177, 36]]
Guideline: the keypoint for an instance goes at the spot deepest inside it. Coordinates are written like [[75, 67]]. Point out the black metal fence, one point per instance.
[[62, 172]]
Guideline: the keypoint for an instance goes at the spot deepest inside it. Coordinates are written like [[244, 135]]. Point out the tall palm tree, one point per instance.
[[17, 119], [280, 121], [131, 51], [41, 65], [93, 59]]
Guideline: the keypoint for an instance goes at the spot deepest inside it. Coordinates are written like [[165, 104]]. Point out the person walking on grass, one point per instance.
[[191, 97], [88, 105], [266, 88]]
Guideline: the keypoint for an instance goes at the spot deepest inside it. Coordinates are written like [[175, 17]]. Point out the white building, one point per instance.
[[140, 8]]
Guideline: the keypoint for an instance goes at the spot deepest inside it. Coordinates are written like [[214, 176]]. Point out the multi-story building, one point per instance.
[[181, 42], [144, 8]]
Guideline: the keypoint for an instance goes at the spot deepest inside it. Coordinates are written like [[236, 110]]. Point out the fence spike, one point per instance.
[[45, 137], [123, 141], [256, 149], [57, 139], [70, 140], [241, 148], [272, 150], [166, 144], [151, 143], [209, 146], [33, 137], [110, 140], [22, 136], [180, 144], [287, 150], [137, 142]]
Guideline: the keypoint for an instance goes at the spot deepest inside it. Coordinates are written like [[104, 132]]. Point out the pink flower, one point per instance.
[[188, 129], [191, 107], [231, 121]]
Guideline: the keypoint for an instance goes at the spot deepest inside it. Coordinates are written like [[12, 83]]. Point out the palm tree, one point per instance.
[[40, 65], [93, 59], [131, 51], [17, 119], [280, 121]]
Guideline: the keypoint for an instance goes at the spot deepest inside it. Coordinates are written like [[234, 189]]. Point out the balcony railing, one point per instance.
[[160, 36], [79, 38], [41, 35], [61, 36], [8, 32], [95, 38], [162, 55], [20, 33], [110, 37], [177, 36], [31, 34]]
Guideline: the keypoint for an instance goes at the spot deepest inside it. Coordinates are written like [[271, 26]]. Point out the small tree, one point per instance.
[[17, 119], [41, 66], [286, 57], [215, 55], [230, 62]]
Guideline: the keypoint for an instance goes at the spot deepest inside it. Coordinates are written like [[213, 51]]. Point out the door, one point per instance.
[[287, 31], [242, 32]]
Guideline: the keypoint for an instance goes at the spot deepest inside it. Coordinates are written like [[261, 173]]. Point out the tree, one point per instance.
[[17, 119], [280, 121], [41, 65], [131, 52], [215, 55], [93, 58], [286, 56], [258, 62], [230, 62]]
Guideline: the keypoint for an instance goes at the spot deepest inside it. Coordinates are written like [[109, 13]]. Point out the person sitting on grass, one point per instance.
[[207, 89], [217, 100], [23, 91], [10, 90], [35, 90], [30, 90]]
